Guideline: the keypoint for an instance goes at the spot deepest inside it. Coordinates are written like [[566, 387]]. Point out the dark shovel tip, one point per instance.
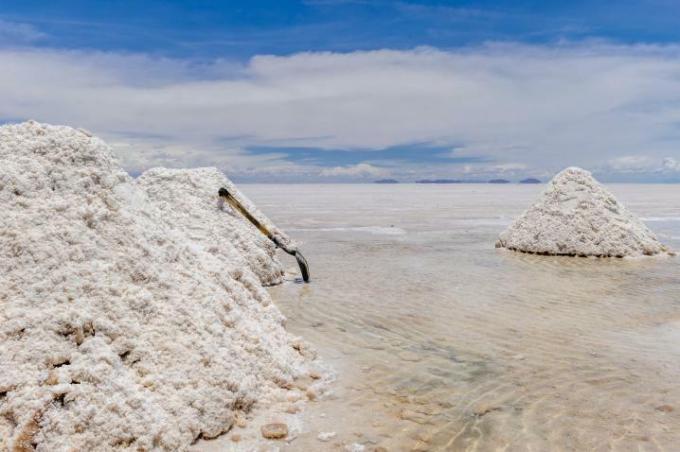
[[304, 268]]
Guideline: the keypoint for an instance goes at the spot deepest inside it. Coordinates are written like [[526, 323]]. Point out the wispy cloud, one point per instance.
[[642, 168], [14, 33], [635, 164], [359, 170], [671, 164], [502, 107]]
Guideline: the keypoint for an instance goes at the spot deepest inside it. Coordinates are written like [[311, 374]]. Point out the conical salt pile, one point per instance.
[[576, 216], [124, 325]]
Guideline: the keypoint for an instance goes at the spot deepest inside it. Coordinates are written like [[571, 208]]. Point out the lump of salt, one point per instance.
[[276, 430], [576, 216]]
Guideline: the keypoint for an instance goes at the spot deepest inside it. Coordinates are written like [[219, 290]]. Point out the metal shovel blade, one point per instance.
[[304, 268]]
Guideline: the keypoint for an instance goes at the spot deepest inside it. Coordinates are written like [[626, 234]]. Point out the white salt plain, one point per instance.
[[442, 342]]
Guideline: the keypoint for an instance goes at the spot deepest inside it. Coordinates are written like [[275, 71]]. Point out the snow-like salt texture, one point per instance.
[[124, 325], [187, 200], [576, 216]]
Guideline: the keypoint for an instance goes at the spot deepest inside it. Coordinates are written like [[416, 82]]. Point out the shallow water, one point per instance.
[[442, 342]]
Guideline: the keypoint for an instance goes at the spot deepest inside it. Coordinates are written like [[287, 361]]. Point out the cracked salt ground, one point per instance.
[[441, 342]]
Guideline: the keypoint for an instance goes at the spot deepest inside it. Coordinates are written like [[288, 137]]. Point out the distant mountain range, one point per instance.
[[386, 181]]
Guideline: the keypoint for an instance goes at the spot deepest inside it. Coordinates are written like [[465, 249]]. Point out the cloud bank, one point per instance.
[[525, 110]]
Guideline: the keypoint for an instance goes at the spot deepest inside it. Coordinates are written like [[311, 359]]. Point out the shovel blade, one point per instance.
[[304, 268]]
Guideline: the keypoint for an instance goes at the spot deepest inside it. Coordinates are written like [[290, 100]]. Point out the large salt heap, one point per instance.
[[118, 328], [576, 216]]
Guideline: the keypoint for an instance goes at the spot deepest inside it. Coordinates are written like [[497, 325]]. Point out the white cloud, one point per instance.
[[358, 170], [671, 164], [472, 171], [545, 107], [634, 163], [644, 165], [509, 167], [18, 33]]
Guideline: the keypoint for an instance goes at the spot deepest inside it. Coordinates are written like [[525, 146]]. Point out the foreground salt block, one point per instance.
[[576, 216]]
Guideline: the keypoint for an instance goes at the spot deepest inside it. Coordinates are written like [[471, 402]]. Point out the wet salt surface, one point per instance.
[[442, 342]]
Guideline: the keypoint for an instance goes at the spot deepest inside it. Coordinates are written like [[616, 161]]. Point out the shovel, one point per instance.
[[233, 202]]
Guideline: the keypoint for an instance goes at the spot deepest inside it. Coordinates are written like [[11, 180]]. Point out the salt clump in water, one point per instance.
[[123, 326], [576, 216]]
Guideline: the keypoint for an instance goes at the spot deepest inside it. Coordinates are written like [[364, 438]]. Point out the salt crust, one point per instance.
[[132, 314], [576, 216], [187, 200]]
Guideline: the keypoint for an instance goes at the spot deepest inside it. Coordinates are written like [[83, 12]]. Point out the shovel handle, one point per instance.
[[233, 202]]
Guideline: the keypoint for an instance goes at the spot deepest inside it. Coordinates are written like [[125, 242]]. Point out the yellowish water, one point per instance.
[[442, 342]]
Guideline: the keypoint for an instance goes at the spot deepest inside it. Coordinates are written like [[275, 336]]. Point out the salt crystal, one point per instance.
[[326, 436]]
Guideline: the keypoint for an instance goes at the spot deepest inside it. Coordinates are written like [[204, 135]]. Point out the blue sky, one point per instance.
[[352, 90], [241, 29]]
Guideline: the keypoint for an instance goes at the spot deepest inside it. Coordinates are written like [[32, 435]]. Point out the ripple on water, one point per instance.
[[443, 343], [376, 230]]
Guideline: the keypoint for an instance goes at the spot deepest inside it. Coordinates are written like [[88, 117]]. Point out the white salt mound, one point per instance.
[[132, 315], [576, 216]]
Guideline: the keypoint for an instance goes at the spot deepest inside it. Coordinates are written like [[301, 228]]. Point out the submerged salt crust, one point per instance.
[[132, 314], [577, 216]]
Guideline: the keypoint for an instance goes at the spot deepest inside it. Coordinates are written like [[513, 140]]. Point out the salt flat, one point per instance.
[[442, 342]]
